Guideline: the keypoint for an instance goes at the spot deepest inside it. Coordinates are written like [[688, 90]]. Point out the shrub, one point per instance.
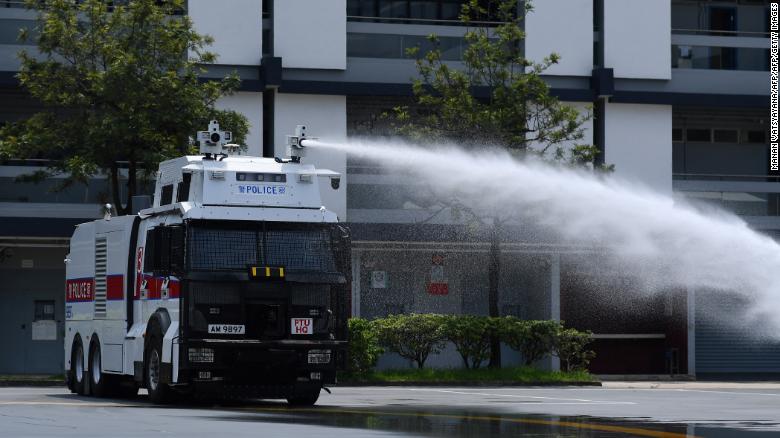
[[414, 336], [533, 339], [471, 336], [570, 347], [364, 349]]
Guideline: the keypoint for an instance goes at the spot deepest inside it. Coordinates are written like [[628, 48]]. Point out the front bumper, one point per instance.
[[262, 363]]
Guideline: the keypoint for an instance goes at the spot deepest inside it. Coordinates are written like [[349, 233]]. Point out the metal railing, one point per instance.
[[435, 21], [713, 32], [725, 177]]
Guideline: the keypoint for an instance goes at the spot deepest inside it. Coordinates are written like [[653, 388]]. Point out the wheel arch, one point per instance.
[[160, 318]]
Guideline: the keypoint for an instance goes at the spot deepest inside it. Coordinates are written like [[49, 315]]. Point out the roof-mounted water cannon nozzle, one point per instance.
[[212, 141], [296, 144]]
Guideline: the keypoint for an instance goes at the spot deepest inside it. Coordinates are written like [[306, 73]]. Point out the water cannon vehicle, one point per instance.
[[233, 283]]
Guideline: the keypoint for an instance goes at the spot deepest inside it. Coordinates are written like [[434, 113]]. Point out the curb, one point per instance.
[[464, 383], [36, 383]]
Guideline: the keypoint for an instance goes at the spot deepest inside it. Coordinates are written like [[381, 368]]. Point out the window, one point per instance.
[[149, 251], [393, 9], [755, 136], [166, 194], [677, 135], [726, 135], [423, 9], [720, 58], [164, 252], [697, 134], [377, 45], [183, 189], [445, 12], [723, 19], [450, 9], [44, 310], [211, 247]]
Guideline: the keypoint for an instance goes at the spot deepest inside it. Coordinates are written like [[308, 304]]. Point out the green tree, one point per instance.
[[471, 336], [497, 98], [414, 336], [571, 347], [364, 349], [119, 82], [534, 339]]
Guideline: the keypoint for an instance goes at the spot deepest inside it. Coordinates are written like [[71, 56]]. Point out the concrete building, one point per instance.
[[679, 94]]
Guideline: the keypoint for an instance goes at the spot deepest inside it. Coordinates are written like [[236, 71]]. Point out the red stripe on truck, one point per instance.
[[153, 287], [174, 289], [115, 287]]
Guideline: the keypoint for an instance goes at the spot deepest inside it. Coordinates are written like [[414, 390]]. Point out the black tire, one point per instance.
[[99, 382], [77, 374], [304, 399], [159, 392]]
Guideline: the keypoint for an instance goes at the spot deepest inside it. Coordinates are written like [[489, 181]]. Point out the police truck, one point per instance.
[[233, 282]]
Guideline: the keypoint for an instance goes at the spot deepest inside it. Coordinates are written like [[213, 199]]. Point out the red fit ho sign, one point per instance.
[[301, 326]]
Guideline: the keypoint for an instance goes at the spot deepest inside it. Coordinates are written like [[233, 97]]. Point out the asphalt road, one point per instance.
[[665, 410]]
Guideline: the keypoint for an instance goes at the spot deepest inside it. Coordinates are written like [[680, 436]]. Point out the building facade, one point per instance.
[[679, 94]]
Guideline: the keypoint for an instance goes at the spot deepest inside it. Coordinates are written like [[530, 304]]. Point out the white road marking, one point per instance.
[[580, 400], [47, 403], [725, 392]]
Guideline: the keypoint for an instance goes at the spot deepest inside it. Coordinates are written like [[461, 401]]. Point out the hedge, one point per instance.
[[417, 336], [364, 349]]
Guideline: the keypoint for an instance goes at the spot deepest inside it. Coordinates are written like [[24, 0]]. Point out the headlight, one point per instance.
[[201, 355], [319, 356]]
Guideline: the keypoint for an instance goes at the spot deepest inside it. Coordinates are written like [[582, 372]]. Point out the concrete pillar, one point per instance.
[[555, 299], [356, 283], [691, 317]]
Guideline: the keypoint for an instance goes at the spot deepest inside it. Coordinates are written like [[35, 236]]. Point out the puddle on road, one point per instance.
[[438, 421], [449, 423]]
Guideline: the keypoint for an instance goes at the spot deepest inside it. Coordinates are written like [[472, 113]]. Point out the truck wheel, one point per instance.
[[158, 392], [304, 399], [77, 368], [98, 380]]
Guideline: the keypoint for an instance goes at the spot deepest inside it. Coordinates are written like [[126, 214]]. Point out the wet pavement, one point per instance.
[[616, 411]]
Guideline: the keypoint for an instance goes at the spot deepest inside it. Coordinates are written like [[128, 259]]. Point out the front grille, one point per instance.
[[215, 293], [223, 250], [310, 295], [293, 247], [265, 320]]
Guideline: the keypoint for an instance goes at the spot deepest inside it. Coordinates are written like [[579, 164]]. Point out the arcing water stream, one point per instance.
[[663, 242]]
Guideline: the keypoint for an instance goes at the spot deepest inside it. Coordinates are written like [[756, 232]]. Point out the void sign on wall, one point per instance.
[[379, 279], [438, 282]]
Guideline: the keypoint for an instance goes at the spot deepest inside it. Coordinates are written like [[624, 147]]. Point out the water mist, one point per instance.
[[661, 241]]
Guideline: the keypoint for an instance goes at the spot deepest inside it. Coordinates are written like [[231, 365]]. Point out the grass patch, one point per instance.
[[485, 375]]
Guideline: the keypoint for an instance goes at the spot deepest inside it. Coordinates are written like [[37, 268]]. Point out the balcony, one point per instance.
[[755, 198], [421, 12], [727, 35]]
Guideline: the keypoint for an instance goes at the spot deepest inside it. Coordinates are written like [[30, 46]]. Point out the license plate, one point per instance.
[[319, 356], [226, 329], [301, 326]]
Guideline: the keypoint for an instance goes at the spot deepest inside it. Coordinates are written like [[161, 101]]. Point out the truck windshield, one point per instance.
[[217, 246]]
